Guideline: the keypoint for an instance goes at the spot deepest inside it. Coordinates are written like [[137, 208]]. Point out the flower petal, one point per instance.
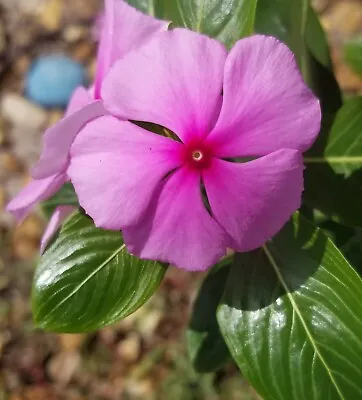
[[37, 190], [175, 81], [58, 139], [253, 200], [177, 227], [124, 29], [266, 104], [116, 167], [59, 215]]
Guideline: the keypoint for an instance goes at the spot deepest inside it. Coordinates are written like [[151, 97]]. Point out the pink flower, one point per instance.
[[125, 29], [250, 103]]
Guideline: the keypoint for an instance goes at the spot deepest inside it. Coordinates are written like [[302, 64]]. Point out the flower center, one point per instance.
[[197, 155]]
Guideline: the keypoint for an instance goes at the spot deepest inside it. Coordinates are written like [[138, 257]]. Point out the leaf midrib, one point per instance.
[[90, 276], [300, 316], [353, 160]]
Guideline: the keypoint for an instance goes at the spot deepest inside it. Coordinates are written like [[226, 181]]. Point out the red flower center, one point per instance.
[[197, 154]]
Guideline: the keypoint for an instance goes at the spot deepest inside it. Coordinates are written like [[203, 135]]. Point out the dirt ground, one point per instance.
[[144, 356]]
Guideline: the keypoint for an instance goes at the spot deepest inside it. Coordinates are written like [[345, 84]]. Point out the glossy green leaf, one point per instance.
[[333, 178], [291, 316], [227, 20], [353, 54], [65, 196], [285, 20], [154, 8], [296, 24], [343, 150], [206, 346], [86, 279]]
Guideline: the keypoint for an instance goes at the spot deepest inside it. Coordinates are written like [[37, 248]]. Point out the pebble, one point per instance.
[[129, 349], [344, 18], [22, 113], [3, 199], [63, 366], [83, 51], [3, 129], [74, 33], [52, 79], [31, 228], [54, 117], [71, 342], [9, 162], [320, 5], [50, 16], [2, 38]]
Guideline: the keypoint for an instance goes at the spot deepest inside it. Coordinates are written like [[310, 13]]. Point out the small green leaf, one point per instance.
[[291, 316], [86, 279], [155, 8], [343, 150], [227, 21], [65, 196], [353, 54], [333, 178], [296, 24], [206, 346]]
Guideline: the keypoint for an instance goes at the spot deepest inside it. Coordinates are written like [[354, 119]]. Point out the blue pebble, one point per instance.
[[52, 79]]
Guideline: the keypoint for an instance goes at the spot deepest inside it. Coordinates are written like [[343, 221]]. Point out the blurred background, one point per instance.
[[47, 47]]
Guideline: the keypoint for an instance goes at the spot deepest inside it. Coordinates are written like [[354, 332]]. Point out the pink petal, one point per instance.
[[177, 228], [81, 97], [37, 190], [116, 167], [175, 81], [59, 215], [124, 29], [266, 105], [253, 200], [59, 138]]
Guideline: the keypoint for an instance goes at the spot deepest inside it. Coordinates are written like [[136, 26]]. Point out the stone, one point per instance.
[[3, 198], [83, 51], [63, 366], [71, 342], [129, 349], [9, 162], [3, 129], [343, 19], [22, 113], [52, 79], [50, 16], [2, 38], [320, 5], [74, 33], [31, 228], [25, 250], [54, 117]]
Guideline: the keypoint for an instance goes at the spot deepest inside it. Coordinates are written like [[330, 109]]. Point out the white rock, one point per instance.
[[22, 113]]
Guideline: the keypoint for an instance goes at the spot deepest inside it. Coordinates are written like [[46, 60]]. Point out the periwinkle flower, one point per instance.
[[250, 104], [124, 30]]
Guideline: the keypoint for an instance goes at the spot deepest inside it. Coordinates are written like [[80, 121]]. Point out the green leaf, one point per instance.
[[291, 316], [154, 8], [226, 21], [353, 54], [86, 279], [296, 24], [206, 346], [316, 40], [333, 175], [343, 150], [65, 196], [285, 20]]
